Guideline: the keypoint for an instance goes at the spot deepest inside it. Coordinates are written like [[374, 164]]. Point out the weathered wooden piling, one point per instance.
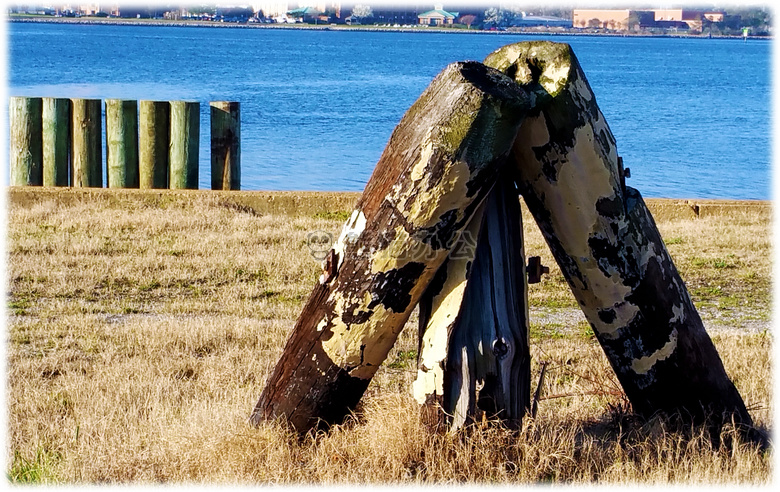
[[26, 154], [440, 163], [185, 145], [122, 143], [153, 141], [56, 141], [225, 145], [473, 344], [86, 136], [607, 245]]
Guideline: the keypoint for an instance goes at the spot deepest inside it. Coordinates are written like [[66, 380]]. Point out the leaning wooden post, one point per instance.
[[440, 163], [122, 143], [225, 145], [56, 141], [185, 144], [153, 141], [25, 144], [607, 244], [473, 345], [86, 136]]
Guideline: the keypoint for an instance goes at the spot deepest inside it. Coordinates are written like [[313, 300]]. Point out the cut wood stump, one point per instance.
[[440, 163], [607, 244]]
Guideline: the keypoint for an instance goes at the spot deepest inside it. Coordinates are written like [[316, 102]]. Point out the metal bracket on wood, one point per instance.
[[536, 269]]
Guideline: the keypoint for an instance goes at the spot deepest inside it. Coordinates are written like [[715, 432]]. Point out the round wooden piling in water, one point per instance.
[[225, 145], [86, 136], [185, 145], [56, 141], [26, 141], [121, 143], [153, 140]]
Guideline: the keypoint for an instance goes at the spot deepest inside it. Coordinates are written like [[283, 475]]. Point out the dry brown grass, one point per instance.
[[140, 336]]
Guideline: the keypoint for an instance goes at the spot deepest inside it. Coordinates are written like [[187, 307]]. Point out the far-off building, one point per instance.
[[618, 20], [632, 20], [694, 18]]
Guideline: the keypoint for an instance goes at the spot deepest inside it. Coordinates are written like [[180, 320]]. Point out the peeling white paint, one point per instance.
[[445, 308], [582, 179], [428, 201], [352, 229], [430, 382], [362, 346], [426, 151], [644, 364], [678, 314], [624, 313]]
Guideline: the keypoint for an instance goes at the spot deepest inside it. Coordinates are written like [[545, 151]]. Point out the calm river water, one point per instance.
[[691, 116]]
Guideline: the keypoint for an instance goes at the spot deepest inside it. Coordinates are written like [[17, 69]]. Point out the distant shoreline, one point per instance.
[[343, 28]]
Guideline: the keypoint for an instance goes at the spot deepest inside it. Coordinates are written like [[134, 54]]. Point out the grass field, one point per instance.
[[140, 334]]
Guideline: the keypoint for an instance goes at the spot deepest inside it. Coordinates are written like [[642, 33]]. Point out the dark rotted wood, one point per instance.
[[607, 244], [440, 162], [477, 309], [225, 145]]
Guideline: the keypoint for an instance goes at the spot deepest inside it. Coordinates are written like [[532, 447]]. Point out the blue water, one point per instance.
[[691, 116]]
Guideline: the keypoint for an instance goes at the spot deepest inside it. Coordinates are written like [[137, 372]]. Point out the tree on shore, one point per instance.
[[468, 20]]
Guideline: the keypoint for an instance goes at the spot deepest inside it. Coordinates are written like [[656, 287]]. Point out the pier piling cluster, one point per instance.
[[149, 144]]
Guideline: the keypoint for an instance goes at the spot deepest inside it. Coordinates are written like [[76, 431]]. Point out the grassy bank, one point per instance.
[[142, 327]]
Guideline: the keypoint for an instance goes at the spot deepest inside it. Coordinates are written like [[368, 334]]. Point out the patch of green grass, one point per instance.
[[718, 263], [585, 330], [37, 470], [551, 302], [403, 359], [19, 306], [707, 292], [549, 331], [699, 262], [340, 215], [728, 302], [674, 240], [154, 284]]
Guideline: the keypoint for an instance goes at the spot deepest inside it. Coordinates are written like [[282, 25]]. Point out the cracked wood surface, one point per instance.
[[474, 351]]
